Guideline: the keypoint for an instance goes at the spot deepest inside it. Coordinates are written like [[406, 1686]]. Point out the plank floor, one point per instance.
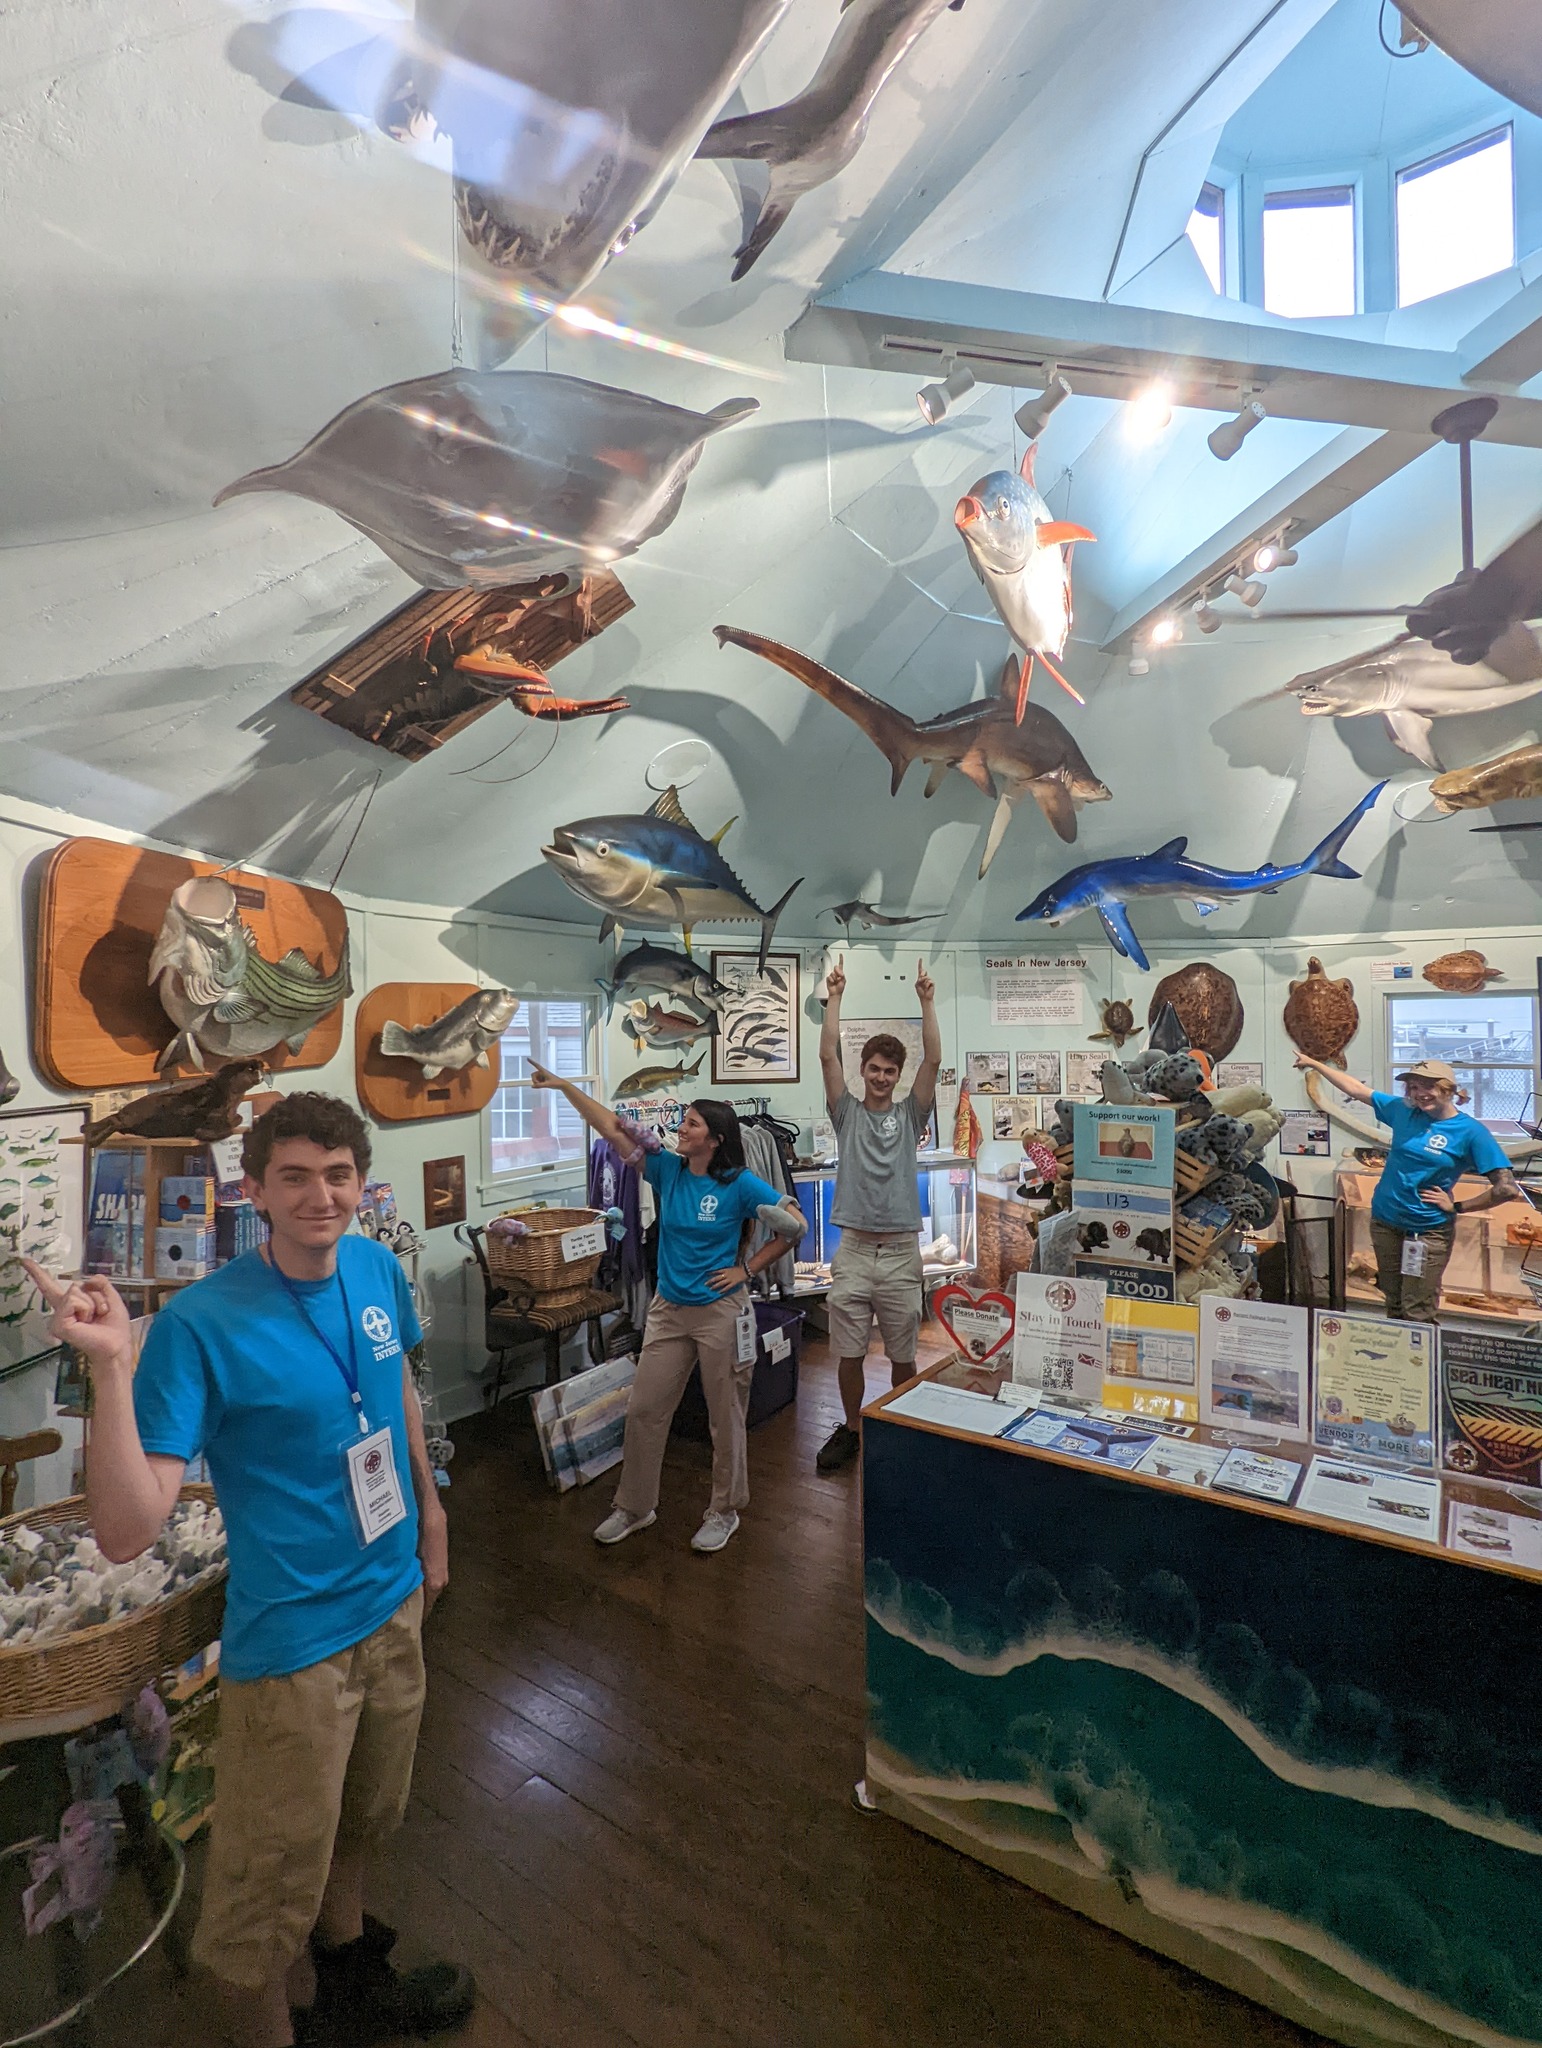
[[631, 1815]]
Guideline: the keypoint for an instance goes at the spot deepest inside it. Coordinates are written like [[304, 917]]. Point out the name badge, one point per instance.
[[1414, 1250], [374, 1486], [745, 1335]]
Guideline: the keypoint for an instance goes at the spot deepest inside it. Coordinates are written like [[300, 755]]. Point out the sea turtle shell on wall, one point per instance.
[[1118, 1021], [1320, 1014], [1462, 974], [1207, 1005]]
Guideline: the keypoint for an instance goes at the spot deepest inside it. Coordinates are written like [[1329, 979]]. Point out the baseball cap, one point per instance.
[[1428, 1070]]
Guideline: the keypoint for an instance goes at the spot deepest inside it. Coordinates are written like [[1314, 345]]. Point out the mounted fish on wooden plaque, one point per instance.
[[429, 1048]]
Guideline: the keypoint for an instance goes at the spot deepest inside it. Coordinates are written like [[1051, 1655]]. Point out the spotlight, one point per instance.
[[1149, 412], [1250, 593], [935, 400], [1139, 666], [1032, 416], [1225, 440], [1206, 618], [1274, 555], [1165, 632]]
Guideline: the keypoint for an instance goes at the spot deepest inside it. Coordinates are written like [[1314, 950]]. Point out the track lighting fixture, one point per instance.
[[1166, 631], [937, 400], [1206, 617], [1225, 440], [1139, 666], [1249, 592], [1274, 555], [1032, 416], [1149, 412]]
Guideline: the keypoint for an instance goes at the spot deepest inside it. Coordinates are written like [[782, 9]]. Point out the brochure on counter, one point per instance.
[[1375, 1389]]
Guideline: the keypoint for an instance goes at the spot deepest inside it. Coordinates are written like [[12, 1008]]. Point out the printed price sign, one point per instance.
[[584, 1242]]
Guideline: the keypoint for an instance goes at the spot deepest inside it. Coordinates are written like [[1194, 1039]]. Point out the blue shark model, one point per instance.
[[1107, 885]]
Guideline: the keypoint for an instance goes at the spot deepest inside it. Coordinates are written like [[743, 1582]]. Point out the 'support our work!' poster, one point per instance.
[[1126, 1142], [1491, 1406], [1059, 1342], [1375, 1389]]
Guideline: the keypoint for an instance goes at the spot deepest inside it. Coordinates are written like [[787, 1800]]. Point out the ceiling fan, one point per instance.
[[1481, 614]]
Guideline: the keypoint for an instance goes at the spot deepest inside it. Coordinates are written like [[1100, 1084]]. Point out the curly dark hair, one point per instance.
[[884, 1046], [324, 1119]]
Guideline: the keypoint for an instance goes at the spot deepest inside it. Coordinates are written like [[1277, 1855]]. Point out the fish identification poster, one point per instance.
[[1375, 1389]]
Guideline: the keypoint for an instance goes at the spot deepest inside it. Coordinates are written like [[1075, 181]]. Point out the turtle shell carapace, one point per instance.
[[1118, 1022], [1207, 1005], [1320, 1014]]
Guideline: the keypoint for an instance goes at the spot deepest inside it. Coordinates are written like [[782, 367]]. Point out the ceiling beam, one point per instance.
[[886, 321], [1319, 490], [1506, 348]]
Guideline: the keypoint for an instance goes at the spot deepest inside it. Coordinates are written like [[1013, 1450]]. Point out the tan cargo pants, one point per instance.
[[674, 1340]]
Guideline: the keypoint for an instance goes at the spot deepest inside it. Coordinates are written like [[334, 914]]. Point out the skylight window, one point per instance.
[[1207, 231], [1455, 218], [1309, 253]]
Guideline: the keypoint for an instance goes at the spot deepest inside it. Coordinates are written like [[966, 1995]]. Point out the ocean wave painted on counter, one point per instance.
[[1126, 1761]]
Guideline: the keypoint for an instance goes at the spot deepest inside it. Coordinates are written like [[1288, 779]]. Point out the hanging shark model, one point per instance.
[[983, 741], [1107, 886], [1410, 682], [868, 915]]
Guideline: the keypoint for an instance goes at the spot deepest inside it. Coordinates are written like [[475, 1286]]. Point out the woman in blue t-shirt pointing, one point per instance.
[[1413, 1212], [701, 1314]]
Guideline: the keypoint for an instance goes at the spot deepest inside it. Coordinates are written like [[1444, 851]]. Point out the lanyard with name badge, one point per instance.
[[369, 1461]]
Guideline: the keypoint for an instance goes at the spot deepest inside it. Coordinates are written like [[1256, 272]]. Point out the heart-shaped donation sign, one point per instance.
[[980, 1326]]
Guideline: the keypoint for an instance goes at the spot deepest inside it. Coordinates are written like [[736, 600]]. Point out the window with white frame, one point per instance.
[[1309, 252], [527, 1127], [1207, 232], [1489, 1042], [1456, 217]]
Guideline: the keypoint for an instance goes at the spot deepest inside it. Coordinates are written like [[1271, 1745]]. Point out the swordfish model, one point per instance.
[[1107, 886]]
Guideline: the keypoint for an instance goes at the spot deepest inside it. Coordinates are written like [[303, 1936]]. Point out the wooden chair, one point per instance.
[[15, 1451]]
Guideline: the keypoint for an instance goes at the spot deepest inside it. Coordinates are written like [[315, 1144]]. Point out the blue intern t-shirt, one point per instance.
[[700, 1220], [232, 1369], [1427, 1152]]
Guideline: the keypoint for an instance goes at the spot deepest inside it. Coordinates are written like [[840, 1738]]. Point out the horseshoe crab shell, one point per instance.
[[1320, 1014], [1118, 1021], [473, 479], [1208, 1006], [1462, 974]]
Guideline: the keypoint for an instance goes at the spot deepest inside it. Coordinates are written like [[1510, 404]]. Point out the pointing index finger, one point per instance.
[[55, 1292]]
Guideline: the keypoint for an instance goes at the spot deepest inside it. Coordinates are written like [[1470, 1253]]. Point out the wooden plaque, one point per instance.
[[396, 1091], [96, 1021]]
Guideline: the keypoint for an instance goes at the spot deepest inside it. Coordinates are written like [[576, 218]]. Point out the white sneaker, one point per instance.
[[618, 1525], [715, 1531]]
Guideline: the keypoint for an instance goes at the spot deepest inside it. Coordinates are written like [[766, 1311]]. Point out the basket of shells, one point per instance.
[[78, 1631]]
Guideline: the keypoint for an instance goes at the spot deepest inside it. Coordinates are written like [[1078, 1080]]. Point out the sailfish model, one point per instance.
[[1003, 749]]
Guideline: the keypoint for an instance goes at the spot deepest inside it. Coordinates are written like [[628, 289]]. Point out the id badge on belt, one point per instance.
[[1414, 1252], [745, 1336], [374, 1485]]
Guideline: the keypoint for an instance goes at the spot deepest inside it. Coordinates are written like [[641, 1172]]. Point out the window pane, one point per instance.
[[1207, 231], [1489, 1042], [1309, 253], [1455, 219], [529, 1127]]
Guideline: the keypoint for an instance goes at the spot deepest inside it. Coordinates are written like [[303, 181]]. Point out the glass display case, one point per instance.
[[947, 1190]]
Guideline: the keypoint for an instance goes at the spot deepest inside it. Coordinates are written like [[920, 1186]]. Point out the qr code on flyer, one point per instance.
[[1057, 1375]]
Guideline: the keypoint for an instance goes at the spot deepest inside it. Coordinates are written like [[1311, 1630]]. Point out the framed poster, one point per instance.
[[1084, 1073], [757, 1034], [988, 1073], [1253, 1367], [444, 1191], [42, 1215], [1038, 1073], [1375, 1393], [1011, 1115]]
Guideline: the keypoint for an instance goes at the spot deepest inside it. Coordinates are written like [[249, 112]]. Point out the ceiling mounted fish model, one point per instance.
[[866, 915], [807, 140], [1006, 749], [1023, 557], [1499, 41], [656, 871], [657, 971], [1410, 683], [472, 479], [214, 985], [567, 121], [1107, 886]]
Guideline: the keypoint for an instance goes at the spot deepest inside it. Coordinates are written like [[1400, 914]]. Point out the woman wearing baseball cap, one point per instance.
[[1413, 1212]]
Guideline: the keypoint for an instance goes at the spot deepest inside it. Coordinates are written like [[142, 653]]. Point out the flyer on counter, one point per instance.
[[1255, 1473], [1375, 1393], [1186, 1464], [1392, 1501], [957, 1408], [1039, 1426], [1131, 1226], [1131, 1143], [1253, 1367], [1153, 1357], [1109, 1443], [1494, 1535], [1491, 1406], [1059, 1339]]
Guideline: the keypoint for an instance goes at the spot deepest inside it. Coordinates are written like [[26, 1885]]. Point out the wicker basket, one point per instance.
[[107, 1665], [534, 1268]]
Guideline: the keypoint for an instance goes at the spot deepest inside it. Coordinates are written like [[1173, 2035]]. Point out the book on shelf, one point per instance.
[[115, 1221]]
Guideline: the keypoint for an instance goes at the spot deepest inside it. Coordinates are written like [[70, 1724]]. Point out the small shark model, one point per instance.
[[1022, 556], [1409, 682], [1005, 757], [658, 971], [1106, 886], [809, 139], [657, 871], [457, 1040], [847, 914]]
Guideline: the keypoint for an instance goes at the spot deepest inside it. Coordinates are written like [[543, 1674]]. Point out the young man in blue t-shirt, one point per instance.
[[1413, 1212], [287, 1369]]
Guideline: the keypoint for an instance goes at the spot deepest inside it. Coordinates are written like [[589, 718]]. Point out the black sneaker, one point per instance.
[[841, 1447], [361, 1998]]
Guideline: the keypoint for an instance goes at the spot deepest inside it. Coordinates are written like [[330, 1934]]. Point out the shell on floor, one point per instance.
[[1320, 1014]]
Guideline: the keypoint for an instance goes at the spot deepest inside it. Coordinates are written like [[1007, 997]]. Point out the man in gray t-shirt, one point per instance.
[[877, 1207]]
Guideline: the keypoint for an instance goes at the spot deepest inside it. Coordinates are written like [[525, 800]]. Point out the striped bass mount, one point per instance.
[[214, 985]]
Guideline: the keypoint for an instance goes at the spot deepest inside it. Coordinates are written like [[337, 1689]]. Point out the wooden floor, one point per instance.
[[631, 1813]]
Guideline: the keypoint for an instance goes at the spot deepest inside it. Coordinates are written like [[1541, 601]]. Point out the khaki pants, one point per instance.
[[315, 1760], [1411, 1297], [676, 1339], [875, 1278]]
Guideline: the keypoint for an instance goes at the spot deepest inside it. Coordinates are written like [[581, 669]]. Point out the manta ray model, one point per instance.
[[1004, 757], [1107, 886], [807, 140]]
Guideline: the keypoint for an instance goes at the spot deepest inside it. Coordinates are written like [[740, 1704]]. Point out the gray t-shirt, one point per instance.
[[875, 1182]]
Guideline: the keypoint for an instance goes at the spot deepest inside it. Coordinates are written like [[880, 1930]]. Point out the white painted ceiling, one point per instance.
[[199, 277]]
